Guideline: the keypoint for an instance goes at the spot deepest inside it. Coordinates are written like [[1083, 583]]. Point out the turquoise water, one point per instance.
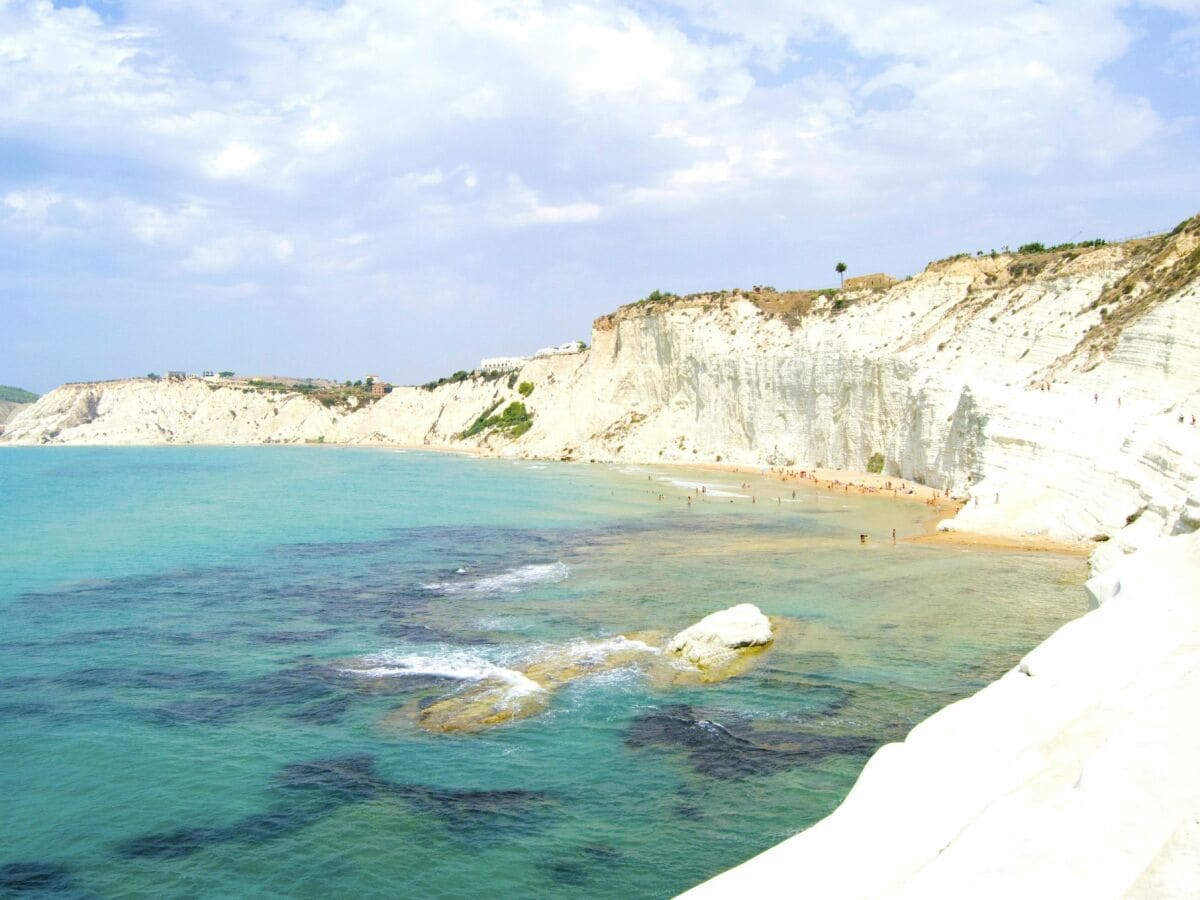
[[213, 663]]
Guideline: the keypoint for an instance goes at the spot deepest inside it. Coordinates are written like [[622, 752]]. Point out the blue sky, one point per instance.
[[332, 189]]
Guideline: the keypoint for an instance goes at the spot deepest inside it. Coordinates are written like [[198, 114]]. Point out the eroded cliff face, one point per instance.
[[9, 409], [1046, 388]]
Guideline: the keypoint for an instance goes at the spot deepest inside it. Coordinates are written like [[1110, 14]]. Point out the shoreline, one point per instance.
[[940, 506]]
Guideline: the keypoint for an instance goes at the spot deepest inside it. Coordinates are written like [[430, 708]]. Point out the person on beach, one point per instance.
[[893, 537], [862, 538]]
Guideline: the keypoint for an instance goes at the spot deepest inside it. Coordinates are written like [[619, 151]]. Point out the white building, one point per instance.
[[502, 363], [566, 349]]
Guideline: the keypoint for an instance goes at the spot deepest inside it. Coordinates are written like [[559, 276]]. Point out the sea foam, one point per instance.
[[710, 490], [459, 665], [509, 582]]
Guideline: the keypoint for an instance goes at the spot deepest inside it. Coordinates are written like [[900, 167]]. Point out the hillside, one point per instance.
[[12, 401], [12, 394]]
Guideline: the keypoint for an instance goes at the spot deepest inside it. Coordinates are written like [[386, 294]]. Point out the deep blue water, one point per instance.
[[185, 709]]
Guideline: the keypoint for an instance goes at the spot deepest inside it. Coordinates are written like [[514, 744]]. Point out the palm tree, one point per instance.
[[841, 270]]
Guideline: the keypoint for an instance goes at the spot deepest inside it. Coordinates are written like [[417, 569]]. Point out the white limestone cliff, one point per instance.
[[942, 374], [1074, 775]]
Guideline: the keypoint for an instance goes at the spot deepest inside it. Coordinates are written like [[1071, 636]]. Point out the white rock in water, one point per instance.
[[713, 640]]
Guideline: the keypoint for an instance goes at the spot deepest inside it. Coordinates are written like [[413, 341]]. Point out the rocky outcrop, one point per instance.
[[718, 640], [719, 646]]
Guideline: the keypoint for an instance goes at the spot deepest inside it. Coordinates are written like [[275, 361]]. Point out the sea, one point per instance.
[[217, 667]]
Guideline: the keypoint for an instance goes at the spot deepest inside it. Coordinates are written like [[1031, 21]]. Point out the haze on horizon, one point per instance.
[[332, 189]]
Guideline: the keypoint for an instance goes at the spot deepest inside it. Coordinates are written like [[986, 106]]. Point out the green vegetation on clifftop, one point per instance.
[[16, 394]]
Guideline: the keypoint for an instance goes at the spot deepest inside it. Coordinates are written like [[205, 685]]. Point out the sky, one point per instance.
[[378, 186]]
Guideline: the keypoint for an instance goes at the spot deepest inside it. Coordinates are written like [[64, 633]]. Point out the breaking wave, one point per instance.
[[459, 665], [509, 582], [710, 490]]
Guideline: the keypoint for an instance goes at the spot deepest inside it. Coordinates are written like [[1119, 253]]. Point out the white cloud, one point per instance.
[[45, 212], [566, 213], [236, 158], [316, 93], [522, 206], [244, 249], [282, 142]]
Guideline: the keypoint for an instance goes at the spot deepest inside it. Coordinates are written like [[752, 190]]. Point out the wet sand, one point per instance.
[[940, 505]]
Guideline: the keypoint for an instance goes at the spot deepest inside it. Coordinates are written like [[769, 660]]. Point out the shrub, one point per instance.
[[875, 463], [485, 420], [515, 420], [1033, 247], [226, 374], [513, 413], [656, 296], [1026, 269], [458, 376], [525, 389]]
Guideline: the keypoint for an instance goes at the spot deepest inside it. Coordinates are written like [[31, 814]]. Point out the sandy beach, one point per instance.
[[940, 506]]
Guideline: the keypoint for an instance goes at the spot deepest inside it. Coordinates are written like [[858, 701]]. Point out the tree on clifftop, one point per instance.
[[840, 268]]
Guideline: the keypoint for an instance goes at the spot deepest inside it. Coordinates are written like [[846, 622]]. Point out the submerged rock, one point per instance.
[[717, 647], [514, 694], [484, 705], [724, 745], [718, 642]]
